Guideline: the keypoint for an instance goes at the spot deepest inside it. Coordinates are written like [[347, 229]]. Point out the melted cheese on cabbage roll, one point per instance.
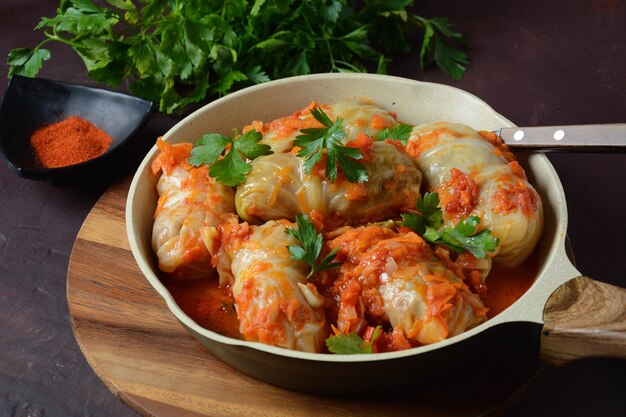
[[275, 303], [278, 188], [359, 116], [190, 207], [476, 175], [395, 278]]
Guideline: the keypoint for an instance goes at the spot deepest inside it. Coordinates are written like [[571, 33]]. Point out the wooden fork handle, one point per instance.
[[584, 318]]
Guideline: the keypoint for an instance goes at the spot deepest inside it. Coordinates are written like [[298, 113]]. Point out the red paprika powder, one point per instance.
[[68, 142]]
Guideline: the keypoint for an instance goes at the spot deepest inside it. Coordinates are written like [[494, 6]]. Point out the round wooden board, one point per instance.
[[148, 360]]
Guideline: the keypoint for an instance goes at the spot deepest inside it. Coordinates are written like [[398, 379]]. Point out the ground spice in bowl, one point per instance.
[[69, 142]]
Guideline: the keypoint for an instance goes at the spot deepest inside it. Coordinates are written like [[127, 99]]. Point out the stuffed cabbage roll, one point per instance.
[[275, 303], [394, 278], [191, 204], [278, 188], [359, 116], [476, 175]]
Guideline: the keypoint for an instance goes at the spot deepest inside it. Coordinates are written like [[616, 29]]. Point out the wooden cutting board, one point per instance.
[[150, 362]]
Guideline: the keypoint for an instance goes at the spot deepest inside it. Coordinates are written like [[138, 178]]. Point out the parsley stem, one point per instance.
[[55, 37], [330, 55], [349, 65], [42, 43], [418, 21]]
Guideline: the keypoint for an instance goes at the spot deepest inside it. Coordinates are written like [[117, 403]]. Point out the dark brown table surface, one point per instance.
[[536, 62]]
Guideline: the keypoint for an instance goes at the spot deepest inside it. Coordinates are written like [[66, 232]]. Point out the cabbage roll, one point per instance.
[[476, 175], [278, 188], [394, 278], [359, 116], [191, 205], [275, 303]]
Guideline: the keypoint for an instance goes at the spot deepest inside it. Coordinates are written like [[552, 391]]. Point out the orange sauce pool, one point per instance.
[[213, 308], [507, 284], [208, 305]]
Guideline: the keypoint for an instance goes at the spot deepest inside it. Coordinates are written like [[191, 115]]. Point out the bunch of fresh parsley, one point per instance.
[[177, 52], [427, 223]]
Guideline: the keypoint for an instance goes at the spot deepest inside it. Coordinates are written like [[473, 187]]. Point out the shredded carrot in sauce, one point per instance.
[[501, 148], [517, 170], [396, 143], [317, 219], [254, 125], [464, 266], [286, 126], [170, 156], [458, 195], [378, 122], [234, 233], [356, 191], [362, 141], [419, 143], [195, 250], [508, 199]]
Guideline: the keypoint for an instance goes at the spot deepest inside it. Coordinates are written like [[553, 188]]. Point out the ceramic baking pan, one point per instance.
[[583, 318]]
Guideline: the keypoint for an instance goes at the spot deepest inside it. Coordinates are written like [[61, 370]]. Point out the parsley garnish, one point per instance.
[[397, 132], [464, 236], [427, 223], [179, 52], [429, 215], [232, 168], [314, 140], [310, 246], [352, 343]]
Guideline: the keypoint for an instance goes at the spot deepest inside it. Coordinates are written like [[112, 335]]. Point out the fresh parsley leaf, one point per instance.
[[257, 75], [415, 222], [429, 218], [310, 246], [432, 235], [397, 132], [231, 170], [352, 343], [443, 44], [463, 235], [313, 141], [208, 148], [177, 53], [429, 207], [26, 61], [248, 144], [451, 60]]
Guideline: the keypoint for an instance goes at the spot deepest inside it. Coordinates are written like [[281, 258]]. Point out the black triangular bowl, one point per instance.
[[31, 103]]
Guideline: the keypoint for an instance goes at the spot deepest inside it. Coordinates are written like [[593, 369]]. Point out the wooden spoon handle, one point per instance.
[[584, 318]]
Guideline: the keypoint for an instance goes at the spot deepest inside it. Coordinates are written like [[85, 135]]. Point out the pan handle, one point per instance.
[[584, 318]]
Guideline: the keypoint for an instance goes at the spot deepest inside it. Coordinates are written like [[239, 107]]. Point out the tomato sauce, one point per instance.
[[207, 304], [213, 308], [507, 284]]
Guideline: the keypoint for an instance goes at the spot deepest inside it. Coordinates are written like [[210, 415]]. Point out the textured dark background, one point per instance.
[[536, 62]]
